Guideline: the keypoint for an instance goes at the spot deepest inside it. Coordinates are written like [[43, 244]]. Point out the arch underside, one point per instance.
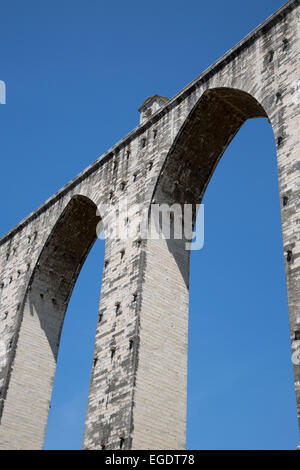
[[202, 140], [59, 265]]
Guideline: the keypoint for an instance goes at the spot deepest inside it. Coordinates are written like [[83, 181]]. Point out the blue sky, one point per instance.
[[76, 72]]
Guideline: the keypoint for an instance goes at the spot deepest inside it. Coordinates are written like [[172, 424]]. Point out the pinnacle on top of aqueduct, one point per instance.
[[151, 105]]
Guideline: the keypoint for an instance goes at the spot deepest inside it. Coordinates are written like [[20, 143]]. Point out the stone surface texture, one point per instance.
[[137, 397]]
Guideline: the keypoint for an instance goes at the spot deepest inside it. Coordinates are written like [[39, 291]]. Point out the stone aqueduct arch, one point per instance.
[[139, 395]]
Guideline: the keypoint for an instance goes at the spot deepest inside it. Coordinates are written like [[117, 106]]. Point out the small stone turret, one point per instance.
[[151, 105]]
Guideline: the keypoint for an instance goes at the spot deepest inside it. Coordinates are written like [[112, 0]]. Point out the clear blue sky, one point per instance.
[[76, 72]]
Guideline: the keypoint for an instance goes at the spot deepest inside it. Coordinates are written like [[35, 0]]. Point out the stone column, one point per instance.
[[286, 128], [138, 386]]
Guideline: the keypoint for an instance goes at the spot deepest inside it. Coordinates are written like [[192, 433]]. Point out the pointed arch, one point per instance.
[[44, 308], [200, 143]]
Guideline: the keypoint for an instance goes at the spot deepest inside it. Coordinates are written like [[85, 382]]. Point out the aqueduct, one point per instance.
[[169, 158]]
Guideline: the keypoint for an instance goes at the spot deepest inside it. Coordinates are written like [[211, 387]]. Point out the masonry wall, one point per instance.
[[138, 384]]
